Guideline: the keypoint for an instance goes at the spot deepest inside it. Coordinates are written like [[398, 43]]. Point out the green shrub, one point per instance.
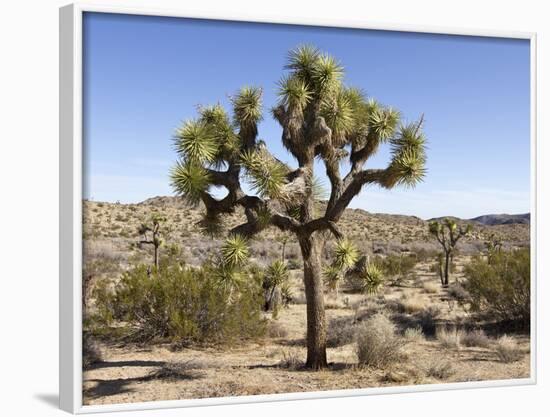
[[183, 304], [397, 267], [500, 285]]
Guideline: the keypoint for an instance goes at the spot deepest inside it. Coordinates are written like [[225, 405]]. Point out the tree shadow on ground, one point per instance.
[[166, 372], [332, 366], [301, 342], [119, 364]]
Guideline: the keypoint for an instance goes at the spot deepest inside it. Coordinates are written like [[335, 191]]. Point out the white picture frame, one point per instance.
[[70, 205]]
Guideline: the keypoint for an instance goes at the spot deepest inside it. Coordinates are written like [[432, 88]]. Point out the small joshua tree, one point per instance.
[[347, 263], [151, 235], [493, 245], [321, 119], [283, 240], [275, 277], [447, 233]]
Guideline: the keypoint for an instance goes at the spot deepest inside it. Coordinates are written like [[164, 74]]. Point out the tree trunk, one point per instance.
[[447, 257], [316, 323], [156, 256]]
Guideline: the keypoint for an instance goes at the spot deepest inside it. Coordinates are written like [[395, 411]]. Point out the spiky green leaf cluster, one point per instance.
[[276, 274], [228, 278], [294, 93], [408, 164], [247, 106], [372, 278], [217, 120], [302, 61], [327, 73], [338, 112], [345, 254], [196, 141], [211, 224], [320, 73], [319, 191], [383, 122], [435, 227], [266, 175], [235, 251], [189, 179], [332, 276], [263, 216]]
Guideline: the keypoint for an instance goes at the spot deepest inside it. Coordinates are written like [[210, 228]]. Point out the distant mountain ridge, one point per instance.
[[486, 219], [493, 219]]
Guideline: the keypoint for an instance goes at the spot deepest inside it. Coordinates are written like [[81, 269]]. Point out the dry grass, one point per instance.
[[414, 334], [449, 339], [378, 345], [291, 359], [430, 287], [475, 338], [441, 369], [412, 304], [276, 330], [507, 350]]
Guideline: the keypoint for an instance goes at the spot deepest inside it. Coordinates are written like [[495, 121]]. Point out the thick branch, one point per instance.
[[354, 186]]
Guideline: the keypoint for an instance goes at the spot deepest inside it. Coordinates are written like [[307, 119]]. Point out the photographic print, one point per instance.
[[275, 208]]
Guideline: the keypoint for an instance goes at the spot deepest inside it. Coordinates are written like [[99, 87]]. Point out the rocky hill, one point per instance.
[[113, 228]]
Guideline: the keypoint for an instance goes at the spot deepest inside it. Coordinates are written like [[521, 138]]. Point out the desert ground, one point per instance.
[[442, 340]]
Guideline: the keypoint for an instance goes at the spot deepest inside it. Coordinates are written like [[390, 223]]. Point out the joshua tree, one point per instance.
[[283, 240], [493, 245], [275, 277], [151, 232], [447, 233], [321, 119]]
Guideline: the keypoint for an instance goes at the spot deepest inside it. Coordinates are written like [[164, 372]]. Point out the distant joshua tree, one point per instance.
[[493, 245], [322, 119], [447, 233], [151, 235]]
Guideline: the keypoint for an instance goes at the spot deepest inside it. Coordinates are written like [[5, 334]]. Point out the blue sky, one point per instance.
[[143, 76]]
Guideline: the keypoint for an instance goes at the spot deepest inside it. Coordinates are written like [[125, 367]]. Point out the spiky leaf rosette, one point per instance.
[[266, 175], [228, 278], [345, 254], [451, 224], [338, 112], [196, 141], [332, 276], [276, 274], [383, 122], [217, 119], [190, 180], [408, 164], [327, 74], [372, 278], [247, 106], [319, 191], [235, 251], [211, 225], [294, 93], [435, 228], [302, 61]]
